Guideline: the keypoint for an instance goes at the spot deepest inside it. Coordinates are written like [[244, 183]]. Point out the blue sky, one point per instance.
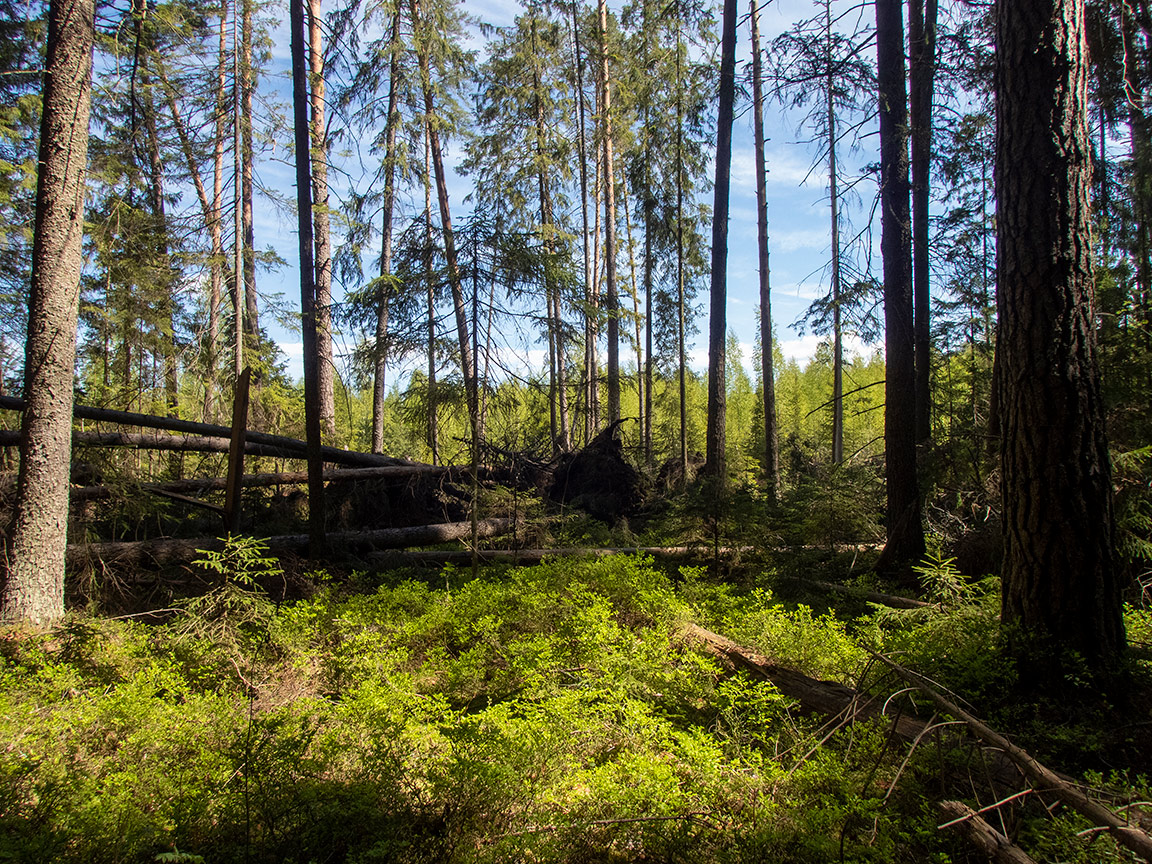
[[798, 211]]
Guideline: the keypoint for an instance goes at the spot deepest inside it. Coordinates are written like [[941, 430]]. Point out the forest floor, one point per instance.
[[558, 712]]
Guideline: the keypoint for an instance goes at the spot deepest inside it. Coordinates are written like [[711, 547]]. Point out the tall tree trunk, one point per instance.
[[1062, 590], [247, 86], [635, 291], [922, 72], [612, 297], [771, 451], [33, 575], [681, 301], [308, 310], [433, 430], [836, 276], [321, 223], [392, 125], [216, 221], [582, 150], [237, 198], [715, 459], [454, 280], [905, 541], [557, 397], [166, 285]]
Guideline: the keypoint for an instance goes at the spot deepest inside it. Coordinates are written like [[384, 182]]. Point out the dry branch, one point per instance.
[[1039, 776], [982, 835], [173, 551]]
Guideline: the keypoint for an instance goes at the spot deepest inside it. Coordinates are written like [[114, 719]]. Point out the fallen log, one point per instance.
[[892, 600], [982, 835], [287, 447], [284, 478], [215, 444], [1038, 775], [536, 556], [824, 697], [175, 551]]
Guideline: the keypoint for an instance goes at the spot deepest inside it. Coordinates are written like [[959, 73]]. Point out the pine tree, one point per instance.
[[33, 577]]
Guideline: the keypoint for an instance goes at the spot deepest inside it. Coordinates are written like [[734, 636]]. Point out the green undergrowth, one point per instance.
[[553, 713]]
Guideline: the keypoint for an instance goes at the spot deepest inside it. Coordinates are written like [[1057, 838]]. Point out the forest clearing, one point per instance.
[[512, 571]]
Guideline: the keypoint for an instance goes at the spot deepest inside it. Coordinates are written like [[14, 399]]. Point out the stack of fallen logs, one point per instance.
[[192, 436]]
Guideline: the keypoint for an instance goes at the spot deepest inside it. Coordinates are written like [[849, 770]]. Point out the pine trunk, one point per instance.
[[321, 223], [611, 295], [905, 540], [715, 458], [33, 583], [922, 59], [392, 125], [308, 310], [1061, 588], [771, 452]]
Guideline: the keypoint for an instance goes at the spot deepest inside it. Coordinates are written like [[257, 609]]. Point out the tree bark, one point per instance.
[[33, 583], [611, 295], [836, 277], [392, 125], [247, 166], [308, 310], [771, 451], [1061, 587], [715, 459], [318, 133], [905, 533], [922, 72]]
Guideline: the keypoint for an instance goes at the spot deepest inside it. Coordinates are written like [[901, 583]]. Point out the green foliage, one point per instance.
[[549, 713]]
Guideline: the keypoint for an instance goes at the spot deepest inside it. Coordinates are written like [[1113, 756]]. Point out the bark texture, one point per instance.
[[308, 312], [1061, 587], [905, 540], [716, 463], [33, 588]]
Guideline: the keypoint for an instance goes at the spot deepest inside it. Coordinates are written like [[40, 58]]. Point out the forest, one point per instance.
[[526, 561]]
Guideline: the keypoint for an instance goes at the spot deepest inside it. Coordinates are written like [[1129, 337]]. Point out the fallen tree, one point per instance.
[[280, 445], [283, 478], [982, 835], [535, 556], [1038, 775], [179, 550]]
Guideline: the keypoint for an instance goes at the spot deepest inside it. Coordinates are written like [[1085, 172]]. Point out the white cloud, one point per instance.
[[796, 239]]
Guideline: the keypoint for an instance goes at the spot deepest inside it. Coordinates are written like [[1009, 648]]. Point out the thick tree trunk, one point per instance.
[[33, 583], [922, 72], [905, 540], [1062, 590], [318, 133], [715, 461], [767, 379], [308, 310]]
